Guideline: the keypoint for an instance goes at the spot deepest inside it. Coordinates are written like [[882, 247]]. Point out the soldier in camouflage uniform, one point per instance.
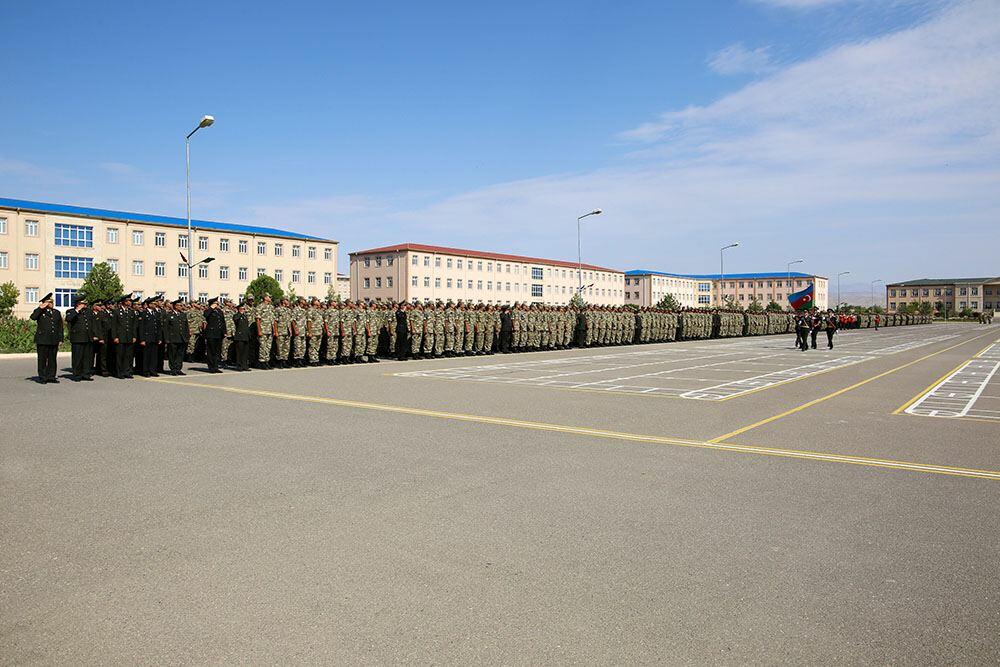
[[228, 311], [348, 325], [439, 325], [427, 348], [195, 318], [299, 318], [331, 322], [449, 329], [468, 325], [415, 328], [390, 323], [373, 332], [314, 331], [283, 340], [266, 329]]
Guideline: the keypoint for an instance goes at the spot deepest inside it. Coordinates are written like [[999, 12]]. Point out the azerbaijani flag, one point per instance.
[[802, 299]]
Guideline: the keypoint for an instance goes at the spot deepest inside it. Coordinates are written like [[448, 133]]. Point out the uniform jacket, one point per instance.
[[49, 330], [148, 327], [215, 324], [81, 325], [124, 325], [241, 327], [176, 328]]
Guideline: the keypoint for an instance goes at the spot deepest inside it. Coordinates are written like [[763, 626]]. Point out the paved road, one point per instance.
[[350, 514]]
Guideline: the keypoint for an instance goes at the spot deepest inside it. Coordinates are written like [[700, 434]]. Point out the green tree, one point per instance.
[[773, 307], [290, 293], [755, 307], [264, 284], [101, 283], [965, 313], [730, 303], [926, 308], [669, 302], [577, 301], [8, 299], [332, 294]]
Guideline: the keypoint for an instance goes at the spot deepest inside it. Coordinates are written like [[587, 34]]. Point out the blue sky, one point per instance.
[[860, 135]]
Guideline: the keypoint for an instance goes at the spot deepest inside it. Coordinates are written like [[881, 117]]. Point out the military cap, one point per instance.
[[127, 297], [214, 299], [79, 298], [47, 297], [177, 301]]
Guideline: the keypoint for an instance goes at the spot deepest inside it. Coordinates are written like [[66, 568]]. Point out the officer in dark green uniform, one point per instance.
[[175, 335], [102, 332], [80, 320], [124, 334], [48, 336], [241, 338], [214, 330]]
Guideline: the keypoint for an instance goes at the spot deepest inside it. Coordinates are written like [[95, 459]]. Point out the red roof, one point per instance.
[[419, 247]]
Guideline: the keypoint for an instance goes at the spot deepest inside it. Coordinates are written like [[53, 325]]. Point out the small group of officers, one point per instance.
[[808, 324]]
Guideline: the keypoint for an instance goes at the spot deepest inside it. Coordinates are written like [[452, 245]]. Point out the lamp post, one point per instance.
[[579, 248], [842, 273], [722, 270], [206, 121], [877, 280]]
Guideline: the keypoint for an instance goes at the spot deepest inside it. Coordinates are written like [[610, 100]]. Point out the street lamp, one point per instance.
[[877, 280], [579, 248], [842, 273], [722, 270], [206, 121]]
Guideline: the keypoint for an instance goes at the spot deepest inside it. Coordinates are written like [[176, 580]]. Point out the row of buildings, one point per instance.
[[51, 247]]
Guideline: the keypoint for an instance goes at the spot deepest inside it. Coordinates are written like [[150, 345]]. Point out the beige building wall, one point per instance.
[[410, 272], [343, 287], [146, 257], [765, 288], [956, 293], [648, 289]]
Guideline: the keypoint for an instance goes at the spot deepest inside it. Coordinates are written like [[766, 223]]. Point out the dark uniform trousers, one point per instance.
[[82, 355], [149, 354], [101, 357], [175, 356], [125, 353], [213, 350], [241, 354], [47, 361]]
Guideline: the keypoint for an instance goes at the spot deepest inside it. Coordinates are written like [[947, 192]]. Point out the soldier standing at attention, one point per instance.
[[402, 331], [48, 336], [283, 337], [195, 320], [149, 336], [241, 338], [333, 332], [176, 335], [360, 331], [228, 311], [124, 337], [102, 332], [415, 328], [314, 331], [80, 320], [299, 332], [215, 331], [266, 329]]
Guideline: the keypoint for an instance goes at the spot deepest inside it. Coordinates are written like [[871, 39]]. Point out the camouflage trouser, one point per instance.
[[314, 344], [449, 341], [438, 342], [392, 340], [360, 343], [264, 353], [427, 342], [488, 343], [477, 344], [192, 341], [346, 346], [284, 347], [372, 349], [298, 347], [226, 342], [416, 338], [468, 341], [332, 346]]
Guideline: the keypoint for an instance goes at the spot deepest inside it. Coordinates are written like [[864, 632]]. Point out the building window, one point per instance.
[[295, 276], [479, 266], [31, 228], [202, 243], [437, 283], [427, 281], [448, 263], [74, 236], [223, 245], [414, 260], [327, 278], [261, 248], [182, 270], [261, 271], [242, 273], [536, 274], [368, 283], [31, 262], [137, 268], [413, 281], [224, 296], [64, 297], [112, 235], [311, 252], [388, 282], [479, 285], [975, 305], [137, 236], [459, 263], [203, 297], [203, 270], [536, 290], [459, 283], [437, 262], [4, 262], [3, 225], [72, 267], [448, 283], [31, 295], [278, 249], [311, 278], [508, 287], [378, 282], [704, 287], [223, 273], [328, 254], [160, 240], [975, 291], [367, 261], [242, 246], [182, 241], [279, 275], [489, 285], [160, 269], [296, 251], [704, 298], [389, 261]]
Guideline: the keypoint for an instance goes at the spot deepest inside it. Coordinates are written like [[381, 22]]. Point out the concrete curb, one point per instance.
[[27, 355]]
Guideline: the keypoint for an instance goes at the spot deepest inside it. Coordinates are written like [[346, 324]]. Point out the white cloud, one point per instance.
[[738, 59]]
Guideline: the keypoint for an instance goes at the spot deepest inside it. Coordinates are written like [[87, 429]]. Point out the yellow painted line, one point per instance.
[[936, 382], [834, 394], [612, 435]]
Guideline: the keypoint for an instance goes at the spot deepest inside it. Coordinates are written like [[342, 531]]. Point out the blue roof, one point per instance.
[[123, 216], [718, 276]]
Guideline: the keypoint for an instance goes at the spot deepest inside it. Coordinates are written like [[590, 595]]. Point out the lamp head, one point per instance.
[[206, 121], [596, 211]]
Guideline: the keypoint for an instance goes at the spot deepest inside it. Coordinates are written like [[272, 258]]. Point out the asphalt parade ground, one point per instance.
[[726, 501]]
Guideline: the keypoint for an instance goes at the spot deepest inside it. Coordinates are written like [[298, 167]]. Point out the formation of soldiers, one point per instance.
[[124, 337]]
